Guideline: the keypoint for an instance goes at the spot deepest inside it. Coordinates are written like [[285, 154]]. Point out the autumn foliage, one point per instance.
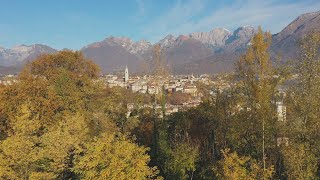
[[58, 121], [53, 120]]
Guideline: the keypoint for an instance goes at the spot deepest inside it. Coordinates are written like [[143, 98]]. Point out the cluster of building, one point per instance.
[[281, 115], [187, 84], [149, 84], [7, 80], [155, 85]]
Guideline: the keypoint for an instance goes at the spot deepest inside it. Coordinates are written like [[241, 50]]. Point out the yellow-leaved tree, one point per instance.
[[302, 156], [233, 166], [257, 82], [113, 157], [55, 110]]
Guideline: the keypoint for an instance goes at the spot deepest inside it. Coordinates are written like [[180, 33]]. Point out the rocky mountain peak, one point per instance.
[[286, 41], [22, 53], [169, 36], [245, 32], [182, 38], [168, 41], [22, 48], [141, 46], [306, 16], [216, 37], [128, 44], [143, 41], [241, 36], [121, 41], [302, 23], [217, 48]]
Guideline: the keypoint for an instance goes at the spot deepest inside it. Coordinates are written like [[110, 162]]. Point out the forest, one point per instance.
[[58, 121]]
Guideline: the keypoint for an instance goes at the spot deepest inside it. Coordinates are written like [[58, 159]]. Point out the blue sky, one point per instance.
[[76, 23]]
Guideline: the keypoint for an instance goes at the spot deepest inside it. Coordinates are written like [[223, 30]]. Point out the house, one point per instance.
[[190, 90]]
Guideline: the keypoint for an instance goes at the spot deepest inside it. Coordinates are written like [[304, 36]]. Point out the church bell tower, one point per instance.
[[126, 75]]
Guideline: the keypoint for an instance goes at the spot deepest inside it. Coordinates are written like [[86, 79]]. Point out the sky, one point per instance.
[[76, 23]]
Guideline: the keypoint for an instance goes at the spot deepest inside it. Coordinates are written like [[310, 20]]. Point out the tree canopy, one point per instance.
[[54, 118]]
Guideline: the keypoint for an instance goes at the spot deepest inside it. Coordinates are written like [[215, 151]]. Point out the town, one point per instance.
[[187, 86], [184, 85]]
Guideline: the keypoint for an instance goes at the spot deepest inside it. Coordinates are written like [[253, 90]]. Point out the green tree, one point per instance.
[[303, 102], [182, 163], [300, 162]]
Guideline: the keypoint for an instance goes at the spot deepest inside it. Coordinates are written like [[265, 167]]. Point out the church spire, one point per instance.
[[126, 74]]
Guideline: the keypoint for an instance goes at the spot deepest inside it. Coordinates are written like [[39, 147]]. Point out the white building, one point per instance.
[[281, 111], [139, 86], [282, 141]]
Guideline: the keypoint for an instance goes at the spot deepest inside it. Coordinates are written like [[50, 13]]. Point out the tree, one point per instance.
[[113, 157], [177, 98], [182, 163], [233, 166], [305, 101], [159, 62], [51, 86], [258, 84], [144, 131], [300, 162], [303, 104], [115, 104], [54, 110], [27, 154], [51, 65]]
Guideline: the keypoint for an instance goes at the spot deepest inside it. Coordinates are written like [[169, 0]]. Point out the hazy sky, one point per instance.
[[76, 23]]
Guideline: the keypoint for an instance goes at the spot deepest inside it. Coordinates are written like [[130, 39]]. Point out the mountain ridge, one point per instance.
[[194, 51], [23, 53]]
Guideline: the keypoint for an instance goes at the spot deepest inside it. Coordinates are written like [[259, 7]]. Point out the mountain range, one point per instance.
[[198, 52]]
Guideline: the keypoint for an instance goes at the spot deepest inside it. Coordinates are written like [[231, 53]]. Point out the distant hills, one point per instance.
[[22, 53], [198, 52], [11, 60], [285, 42], [115, 52]]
